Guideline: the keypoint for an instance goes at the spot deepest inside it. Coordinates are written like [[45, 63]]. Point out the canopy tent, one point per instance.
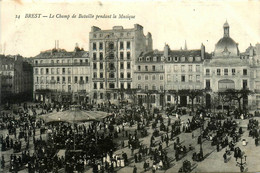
[[74, 116]]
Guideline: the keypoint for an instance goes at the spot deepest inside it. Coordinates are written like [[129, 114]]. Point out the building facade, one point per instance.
[[16, 79], [113, 53], [62, 76]]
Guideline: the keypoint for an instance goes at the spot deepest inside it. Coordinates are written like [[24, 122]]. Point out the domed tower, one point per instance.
[[226, 46]]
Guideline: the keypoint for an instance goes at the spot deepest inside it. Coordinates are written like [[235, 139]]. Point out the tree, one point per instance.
[[192, 95], [224, 97]]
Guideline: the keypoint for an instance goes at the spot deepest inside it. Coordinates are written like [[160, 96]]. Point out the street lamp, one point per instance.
[[201, 150], [242, 164]]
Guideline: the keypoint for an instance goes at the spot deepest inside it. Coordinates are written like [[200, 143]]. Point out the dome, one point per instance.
[[226, 46]]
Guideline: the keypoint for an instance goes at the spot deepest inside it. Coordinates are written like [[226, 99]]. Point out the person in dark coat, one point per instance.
[[135, 169]]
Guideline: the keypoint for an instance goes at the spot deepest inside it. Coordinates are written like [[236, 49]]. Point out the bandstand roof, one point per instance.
[[74, 116]]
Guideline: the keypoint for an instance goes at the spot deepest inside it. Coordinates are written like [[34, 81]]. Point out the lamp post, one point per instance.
[[201, 126], [242, 164]]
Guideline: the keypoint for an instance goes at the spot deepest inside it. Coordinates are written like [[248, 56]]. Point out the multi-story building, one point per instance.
[[62, 76], [226, 69], [113, 53], [149, 78], [16, 79]]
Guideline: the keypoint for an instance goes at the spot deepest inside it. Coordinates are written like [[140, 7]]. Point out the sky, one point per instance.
[[170, 22]]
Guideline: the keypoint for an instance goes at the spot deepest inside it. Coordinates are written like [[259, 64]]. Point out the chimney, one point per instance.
[[166, 50], [202, 49]]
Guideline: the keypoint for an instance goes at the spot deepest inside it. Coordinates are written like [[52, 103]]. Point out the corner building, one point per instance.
[[112, 54]]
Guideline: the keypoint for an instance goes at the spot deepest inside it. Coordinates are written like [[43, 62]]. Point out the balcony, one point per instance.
[[62, 64], [257, 90]]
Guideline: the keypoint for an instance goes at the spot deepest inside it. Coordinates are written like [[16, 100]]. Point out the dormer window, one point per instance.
[[190, 59], [198, 58], [182, 59], [148, 58], [162, 58], [140, 59], [175, 59], [154, 58], [169, 58]]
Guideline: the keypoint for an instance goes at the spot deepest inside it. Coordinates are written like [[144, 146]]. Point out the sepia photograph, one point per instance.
[[116, 86]]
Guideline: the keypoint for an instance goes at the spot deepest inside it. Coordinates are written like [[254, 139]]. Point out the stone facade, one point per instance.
[[62, 76], [113, 53], [16, 79]]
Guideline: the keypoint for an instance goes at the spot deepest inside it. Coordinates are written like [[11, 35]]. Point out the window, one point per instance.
[[101, 96], [94, 65], [94, 56], [111, 85], [153, 77], [183, 78], [146, 77], [146, 87], [47, 71], [139, 68], [169, 98], [101, 65], [128, 65], [182, 68], [121, 55], [207, 72], [121, 45], [139, 77], [128, 85], [161, 77], [146, 68], [197, 68], [76, 79], [69, 79], [63, 70], [244, 84], [218, 72], [63, 79], [207, 84], [154, 87], [80, 61], [175, 68], [58, 79], [128, 55], [128, 75], [176, 78], [100, 46], [190, 78], [190, 68], [225, 72], [128, 45], [121, 75], [197, 78], [244, 72], [115, 96], [95, 95], [101, 56], [101, 74], [111, 66], [153, 67], [122, 85], [139, 86], [69, 70], [111, 56], [233, 71], [161, 87], [111, 45], [36, 70], [58, 71], [94, 46], [94, 75], [101, 85], [86, 79], [58, 61], [52, 70], [111, 75], [95, 85]]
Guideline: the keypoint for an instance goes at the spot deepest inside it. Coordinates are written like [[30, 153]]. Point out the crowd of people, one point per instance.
[[94, 144]]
